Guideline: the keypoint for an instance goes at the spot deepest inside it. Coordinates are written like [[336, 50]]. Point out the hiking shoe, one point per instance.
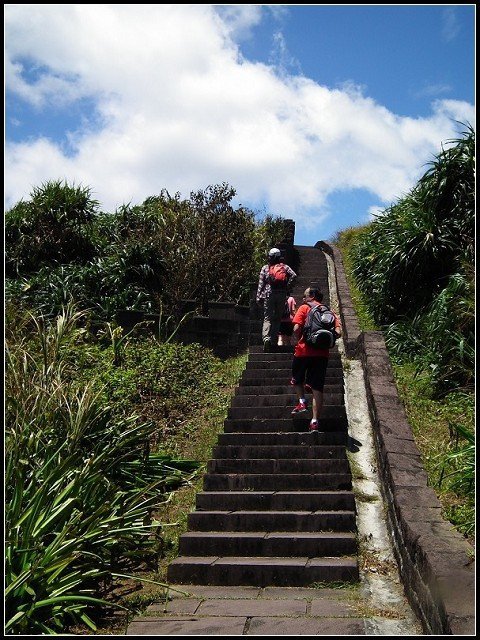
[[313, 425], [267, 346], [292, 382], [300, 408]]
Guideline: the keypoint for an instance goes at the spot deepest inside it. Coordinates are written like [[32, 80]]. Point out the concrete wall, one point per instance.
[[436, 562]]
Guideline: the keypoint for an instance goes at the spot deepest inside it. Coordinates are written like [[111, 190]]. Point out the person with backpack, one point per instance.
[[316, 328], [274, 283], [286, 322]]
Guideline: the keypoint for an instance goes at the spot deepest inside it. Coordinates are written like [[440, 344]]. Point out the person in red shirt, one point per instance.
[[309, 363]]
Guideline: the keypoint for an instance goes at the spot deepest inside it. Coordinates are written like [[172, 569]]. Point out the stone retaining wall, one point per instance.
[[436, 563], [227, 330]]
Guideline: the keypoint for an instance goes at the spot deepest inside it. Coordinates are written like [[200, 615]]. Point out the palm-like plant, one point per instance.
[[408, 254], [80, 485], [52, 227], [414, 266]]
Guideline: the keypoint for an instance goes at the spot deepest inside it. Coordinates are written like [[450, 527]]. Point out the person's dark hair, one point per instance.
[[274, 259], [314, 293]]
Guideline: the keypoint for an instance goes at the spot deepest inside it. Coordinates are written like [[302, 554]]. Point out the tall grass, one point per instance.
[[80, 483], [415, 263]]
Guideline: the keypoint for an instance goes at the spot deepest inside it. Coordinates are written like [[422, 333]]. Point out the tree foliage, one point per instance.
[[146, 257], [414, 264]]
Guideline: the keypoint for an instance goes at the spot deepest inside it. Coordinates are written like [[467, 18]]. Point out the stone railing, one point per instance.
[[436, 563]]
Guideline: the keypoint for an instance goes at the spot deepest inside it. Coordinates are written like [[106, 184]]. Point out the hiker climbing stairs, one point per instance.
[[277, 507]]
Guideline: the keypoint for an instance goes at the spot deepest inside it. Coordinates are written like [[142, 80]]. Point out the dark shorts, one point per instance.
[[286, 329], [310, 370]]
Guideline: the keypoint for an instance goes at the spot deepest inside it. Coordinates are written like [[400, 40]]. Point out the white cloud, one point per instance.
[[181, 109], [375, 212], [281, 59], [239, 19], [432, 90], [450, 26]]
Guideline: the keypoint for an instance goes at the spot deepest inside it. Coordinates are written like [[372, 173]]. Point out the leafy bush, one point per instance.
[[412, 271], [409, 253], [346, 240], [80, 479], [148, 257], [414, 268], [52, 227]]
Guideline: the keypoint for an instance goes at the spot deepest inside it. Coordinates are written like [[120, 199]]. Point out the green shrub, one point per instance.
[[80, 481], [148, 257], [409, 253], [52, 227]]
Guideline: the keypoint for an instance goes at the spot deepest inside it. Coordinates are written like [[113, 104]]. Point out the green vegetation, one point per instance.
[[107, 432], [93, 451], [147, 257], [345, 241], [412, 275], [444, 432]]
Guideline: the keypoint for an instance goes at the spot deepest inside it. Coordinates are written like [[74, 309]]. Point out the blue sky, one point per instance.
[[321, 113]]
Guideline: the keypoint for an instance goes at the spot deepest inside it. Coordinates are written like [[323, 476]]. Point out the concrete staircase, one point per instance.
[[277, 507]]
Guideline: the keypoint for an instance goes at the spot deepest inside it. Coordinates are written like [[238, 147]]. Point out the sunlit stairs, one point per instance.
[[277, 507]]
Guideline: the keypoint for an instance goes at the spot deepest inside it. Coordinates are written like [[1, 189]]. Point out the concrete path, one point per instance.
[[290, 611]]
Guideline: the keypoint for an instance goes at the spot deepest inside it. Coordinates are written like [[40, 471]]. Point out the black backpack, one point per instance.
[[319, 328]]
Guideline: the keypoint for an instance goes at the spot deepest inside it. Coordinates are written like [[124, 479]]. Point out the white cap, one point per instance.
[[273, 253]]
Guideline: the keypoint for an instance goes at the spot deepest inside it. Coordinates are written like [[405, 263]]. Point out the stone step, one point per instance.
[[313, 277], [252, 413], [281, 369], [255, 380], [275, 500], [309, 283], [277, 356], [261, 571], [276, 482], [335, 359], [258, 348], [315, 272], [270, 544], [271, 521], [281, 376], [304, 438], [284, 400], [280, 425], [284, 364], [270, 465], [278, 451], [277, 506], [312, 264], [275, 390]]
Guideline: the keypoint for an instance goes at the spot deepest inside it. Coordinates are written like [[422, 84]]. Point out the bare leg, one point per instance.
[[317, 403]]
